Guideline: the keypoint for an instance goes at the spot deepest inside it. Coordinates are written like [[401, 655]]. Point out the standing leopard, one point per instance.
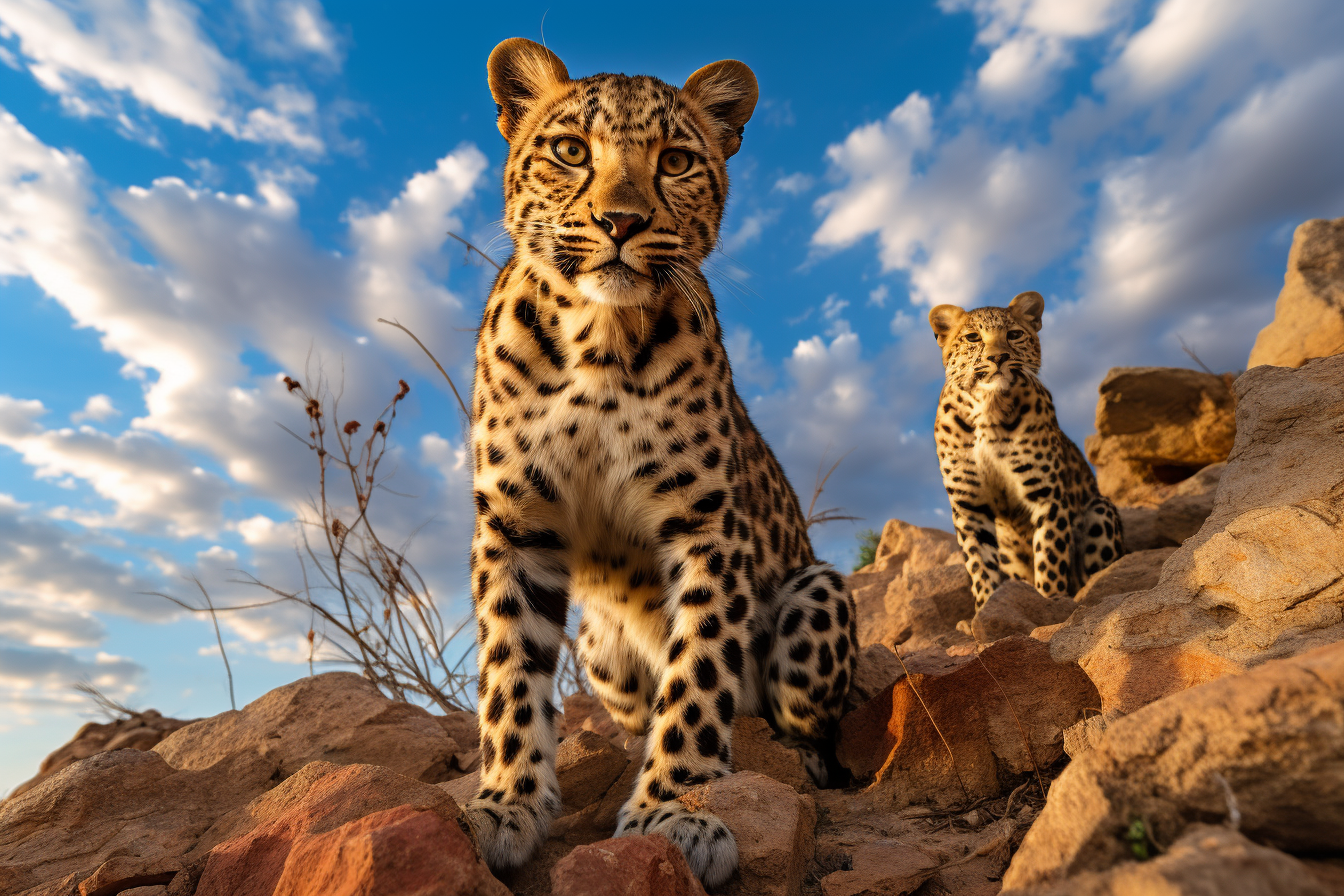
[[615, 465], [1025, 503]]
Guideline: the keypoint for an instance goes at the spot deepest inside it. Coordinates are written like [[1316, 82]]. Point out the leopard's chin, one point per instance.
[[615, 283]]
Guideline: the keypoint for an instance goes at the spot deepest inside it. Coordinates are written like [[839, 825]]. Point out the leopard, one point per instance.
[[1025, 502], [615, 467]]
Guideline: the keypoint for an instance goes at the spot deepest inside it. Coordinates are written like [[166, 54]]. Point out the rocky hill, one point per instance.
[[1176, 728]]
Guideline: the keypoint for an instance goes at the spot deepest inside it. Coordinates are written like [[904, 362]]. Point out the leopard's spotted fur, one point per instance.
[[615, 464], [1024, 501]]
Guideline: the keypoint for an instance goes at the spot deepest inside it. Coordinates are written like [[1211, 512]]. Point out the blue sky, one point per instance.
[[196, 200]]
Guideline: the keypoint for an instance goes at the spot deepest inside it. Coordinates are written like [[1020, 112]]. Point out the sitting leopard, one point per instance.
[[1024, 501], [615, 465]]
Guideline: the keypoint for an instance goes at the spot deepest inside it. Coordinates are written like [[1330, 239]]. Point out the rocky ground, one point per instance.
[[1176, 728]]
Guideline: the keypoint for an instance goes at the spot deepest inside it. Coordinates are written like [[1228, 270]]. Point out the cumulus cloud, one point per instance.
[[1156, 198], [956, 212], [92, 55], [97, 408]]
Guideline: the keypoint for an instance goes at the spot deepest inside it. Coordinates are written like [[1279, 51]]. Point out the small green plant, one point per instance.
[[868, 541], [1137, 838]]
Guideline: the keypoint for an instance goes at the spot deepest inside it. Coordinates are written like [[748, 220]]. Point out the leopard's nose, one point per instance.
[[999, 358], [621, 226]]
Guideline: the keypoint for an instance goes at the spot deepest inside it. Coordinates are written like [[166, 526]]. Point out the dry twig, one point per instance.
[[955, 769]]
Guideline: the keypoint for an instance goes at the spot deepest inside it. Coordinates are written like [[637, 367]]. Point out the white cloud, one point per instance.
[[93, 54], [1030, 40], [98, 408], [289, 29], [954, 214], [151, 484], [795, 184]]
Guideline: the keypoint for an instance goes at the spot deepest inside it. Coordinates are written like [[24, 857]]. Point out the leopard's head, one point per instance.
[[990, 348], [616, 183]]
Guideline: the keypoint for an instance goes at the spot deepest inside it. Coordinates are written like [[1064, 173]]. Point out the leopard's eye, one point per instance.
[[1015, 334], [570, 150], [674, 162], [972, 337]]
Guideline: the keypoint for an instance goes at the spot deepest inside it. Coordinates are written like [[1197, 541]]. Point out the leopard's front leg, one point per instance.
[[977, 533], [690, 737], [519, 587], [1052, 520]]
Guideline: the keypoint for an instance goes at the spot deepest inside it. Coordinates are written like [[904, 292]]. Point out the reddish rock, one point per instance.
[[1001, 713], [138, 731], [625, 866], [586, 765], [127, 805], [335, 717], [773, 824], [320, 798], [395, 852], [756, 750]]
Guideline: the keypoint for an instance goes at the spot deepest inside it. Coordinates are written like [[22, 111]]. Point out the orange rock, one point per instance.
[[396, 852], [320, 798], [756, 750], [999, 713], [625, 866]]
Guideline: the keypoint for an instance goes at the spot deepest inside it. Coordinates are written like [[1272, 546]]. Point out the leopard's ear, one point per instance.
[[521, 72], [727, 92], [945, 320], [1029, 306]]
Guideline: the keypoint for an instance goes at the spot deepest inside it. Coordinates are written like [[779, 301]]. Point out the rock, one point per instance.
[[881, 868], [1267, 745], [251, 851], [584, 712], [868, 839], [1264, 576], [335, 717], [756, 750], [587, 765], [1084, 735], [1309, 314], [774, 826], [1205, 860], [1137, 571], [1017, 608], [138, 731], [462, 728], [903, 550], [127, 805], [982, 708], [1157, 426], [875, 667], [625, 866], [395, 852], [923, 609]]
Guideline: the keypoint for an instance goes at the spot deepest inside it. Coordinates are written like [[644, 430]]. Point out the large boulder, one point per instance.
[[964, 733], [924, 607], [1263, 751], [1205, 861], [335, 717], [136, 731], [1156, 427], [1264, 576], [122, 816], [1309, 315]]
